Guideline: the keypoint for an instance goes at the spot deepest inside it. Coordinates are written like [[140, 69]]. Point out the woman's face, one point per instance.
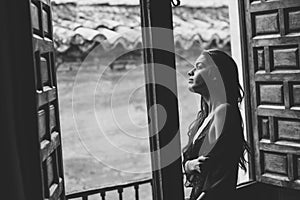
[[201, 69]]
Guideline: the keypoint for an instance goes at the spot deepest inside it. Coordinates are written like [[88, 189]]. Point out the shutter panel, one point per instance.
[[272, 42], [47, 98]]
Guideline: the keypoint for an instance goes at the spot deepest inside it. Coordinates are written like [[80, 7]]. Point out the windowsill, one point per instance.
[[245, 184]]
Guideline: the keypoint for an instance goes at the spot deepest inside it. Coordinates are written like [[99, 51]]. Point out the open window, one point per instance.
[[270, 54]]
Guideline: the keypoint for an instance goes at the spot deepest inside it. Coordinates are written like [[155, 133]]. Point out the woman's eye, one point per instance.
[[199, 66]]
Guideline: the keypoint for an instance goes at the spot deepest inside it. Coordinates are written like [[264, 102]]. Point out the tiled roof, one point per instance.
[[189, 3], [83, 26]]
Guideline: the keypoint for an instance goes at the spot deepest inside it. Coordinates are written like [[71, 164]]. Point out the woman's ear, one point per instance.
[[212, 73]]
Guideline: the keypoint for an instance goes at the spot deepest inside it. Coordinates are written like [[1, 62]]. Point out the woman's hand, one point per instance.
[[195, 164]]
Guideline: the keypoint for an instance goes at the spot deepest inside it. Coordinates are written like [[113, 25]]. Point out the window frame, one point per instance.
[[167, 180], [248, 118]]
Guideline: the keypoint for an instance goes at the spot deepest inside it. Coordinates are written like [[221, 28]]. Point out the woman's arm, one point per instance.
[[191, 164]]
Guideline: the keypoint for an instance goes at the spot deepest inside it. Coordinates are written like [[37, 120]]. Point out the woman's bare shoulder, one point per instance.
[[222, 110], [224, 113]]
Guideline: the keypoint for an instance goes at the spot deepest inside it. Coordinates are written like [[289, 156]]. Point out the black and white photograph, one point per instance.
[[150, 99]]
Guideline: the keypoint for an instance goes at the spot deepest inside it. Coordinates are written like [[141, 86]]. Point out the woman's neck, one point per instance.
[[212, 104]]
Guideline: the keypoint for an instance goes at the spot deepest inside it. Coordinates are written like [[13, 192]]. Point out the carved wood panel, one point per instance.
[[273, 41], [47, 98]]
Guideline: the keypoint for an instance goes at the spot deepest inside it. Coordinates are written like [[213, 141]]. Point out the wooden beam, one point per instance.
[[162, 102]]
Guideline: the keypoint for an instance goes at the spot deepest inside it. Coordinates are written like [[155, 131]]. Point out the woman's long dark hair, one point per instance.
[[234, 95]]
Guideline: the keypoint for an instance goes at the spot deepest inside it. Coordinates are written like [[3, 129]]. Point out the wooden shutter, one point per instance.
[[47, 111], [273, 71]]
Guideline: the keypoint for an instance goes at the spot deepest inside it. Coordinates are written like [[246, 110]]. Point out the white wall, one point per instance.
[[235, 36], [237, 56]]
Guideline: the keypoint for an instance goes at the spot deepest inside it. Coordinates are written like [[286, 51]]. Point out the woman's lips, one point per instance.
[[191, 80]]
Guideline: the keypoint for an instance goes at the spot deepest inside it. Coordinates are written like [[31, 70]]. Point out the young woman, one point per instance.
[[216, 143]]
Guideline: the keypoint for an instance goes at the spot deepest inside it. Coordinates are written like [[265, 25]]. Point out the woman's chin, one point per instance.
[[192, 89], [195, 89]]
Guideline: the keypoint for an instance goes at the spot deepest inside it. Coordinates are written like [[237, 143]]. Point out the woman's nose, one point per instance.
[[191, 72]]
